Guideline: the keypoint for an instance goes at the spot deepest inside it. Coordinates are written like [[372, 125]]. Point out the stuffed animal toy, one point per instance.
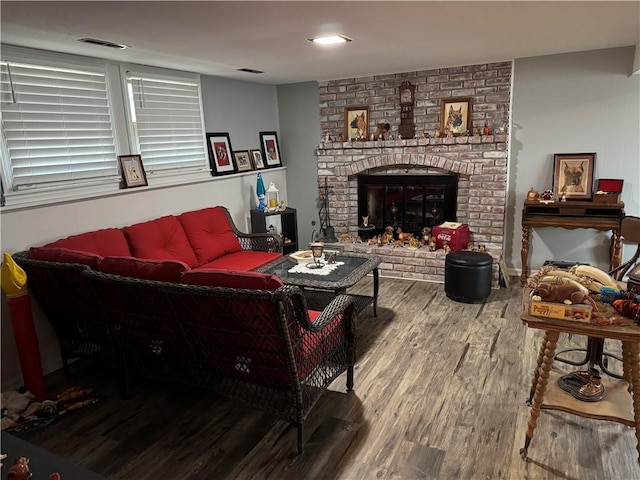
[[561, 294]]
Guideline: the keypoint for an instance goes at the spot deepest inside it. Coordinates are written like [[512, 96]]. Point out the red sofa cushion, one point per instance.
[[161, 270], [245, 260], [209, 233], [231, 279], [108, 241], [64, 255], [160, 239]]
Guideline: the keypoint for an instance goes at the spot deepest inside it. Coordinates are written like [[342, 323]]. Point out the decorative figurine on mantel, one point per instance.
[[327, 137]]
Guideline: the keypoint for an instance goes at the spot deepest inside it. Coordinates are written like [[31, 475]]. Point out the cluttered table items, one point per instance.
[[583, 301]]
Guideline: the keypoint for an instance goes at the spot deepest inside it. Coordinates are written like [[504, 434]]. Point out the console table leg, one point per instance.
[[375, 292], [550, 341], [616, 249], [635, 380], [524, 255]]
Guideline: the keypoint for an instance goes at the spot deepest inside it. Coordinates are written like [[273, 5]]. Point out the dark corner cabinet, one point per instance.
[[260, 224]]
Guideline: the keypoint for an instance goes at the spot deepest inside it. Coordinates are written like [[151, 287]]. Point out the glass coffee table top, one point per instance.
[[354, 269]]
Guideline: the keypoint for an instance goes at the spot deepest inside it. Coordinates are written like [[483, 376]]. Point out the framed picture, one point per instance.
[[270, 149], [356, 123], [243, 161], [573, 175], [132, 171], [219, 145], [256, 158], [455, 116]]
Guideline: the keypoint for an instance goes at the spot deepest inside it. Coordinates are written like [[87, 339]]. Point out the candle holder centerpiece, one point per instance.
[[317, 248]]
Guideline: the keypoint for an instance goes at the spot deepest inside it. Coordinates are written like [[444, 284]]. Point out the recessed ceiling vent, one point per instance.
[[103, 43], [250, 70]]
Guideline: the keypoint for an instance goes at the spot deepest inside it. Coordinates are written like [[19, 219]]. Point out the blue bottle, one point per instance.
[[260, 191]]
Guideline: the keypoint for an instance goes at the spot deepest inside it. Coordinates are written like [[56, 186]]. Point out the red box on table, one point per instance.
[[456, 235]]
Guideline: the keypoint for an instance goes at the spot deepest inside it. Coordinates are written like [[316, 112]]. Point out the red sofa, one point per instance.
[[176, 299]]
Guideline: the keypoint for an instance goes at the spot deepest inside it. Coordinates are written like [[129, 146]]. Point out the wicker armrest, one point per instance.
[[260, 242]]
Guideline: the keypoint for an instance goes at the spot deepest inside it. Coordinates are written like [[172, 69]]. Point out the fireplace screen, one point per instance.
[[407, 201]]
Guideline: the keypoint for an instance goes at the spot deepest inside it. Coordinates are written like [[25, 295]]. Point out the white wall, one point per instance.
[[243, 119], [572, 103]]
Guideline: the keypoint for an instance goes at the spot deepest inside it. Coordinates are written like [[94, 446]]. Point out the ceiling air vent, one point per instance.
[[250, 70], [103, 43]]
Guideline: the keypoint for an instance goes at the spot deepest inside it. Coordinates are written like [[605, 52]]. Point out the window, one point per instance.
[[166, 122], [56, 124], [66, 118]]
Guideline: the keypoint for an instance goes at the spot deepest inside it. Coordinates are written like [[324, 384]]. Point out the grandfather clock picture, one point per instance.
[[407, 128]]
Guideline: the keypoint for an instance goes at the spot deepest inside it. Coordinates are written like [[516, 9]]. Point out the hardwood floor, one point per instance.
[[440, 390]]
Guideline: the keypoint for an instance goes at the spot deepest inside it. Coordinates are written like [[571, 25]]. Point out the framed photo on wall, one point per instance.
[[256, 158], [455, 116], [573, 175], [270, 149], [242, 160], [220, 159], [132, 171], [356, 123]]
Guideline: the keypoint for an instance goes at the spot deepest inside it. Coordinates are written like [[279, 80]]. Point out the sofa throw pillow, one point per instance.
[[209, 233], [160, 270], [160, 239], [231, 279], [64, 255], [108, 241]]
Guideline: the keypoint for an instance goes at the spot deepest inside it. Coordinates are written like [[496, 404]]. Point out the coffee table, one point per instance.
[[356, 267]]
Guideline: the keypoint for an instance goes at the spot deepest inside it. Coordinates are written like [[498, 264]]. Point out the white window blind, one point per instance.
[[57, 125], [166, 120]]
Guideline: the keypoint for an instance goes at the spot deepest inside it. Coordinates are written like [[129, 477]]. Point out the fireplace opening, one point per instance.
[[410, 202]]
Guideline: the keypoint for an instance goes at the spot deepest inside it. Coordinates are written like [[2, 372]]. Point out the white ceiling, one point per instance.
[[217, 38]]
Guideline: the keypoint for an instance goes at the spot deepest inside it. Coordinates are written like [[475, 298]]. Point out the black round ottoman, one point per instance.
[[467, 276]]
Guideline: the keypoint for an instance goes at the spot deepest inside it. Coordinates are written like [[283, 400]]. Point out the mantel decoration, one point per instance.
[[356, 123], [573, 175], [407, 93], [132, 171], [219, 145], [270, 149], [455, 115]]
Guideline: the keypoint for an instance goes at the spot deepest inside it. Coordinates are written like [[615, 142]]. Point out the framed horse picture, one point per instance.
[[356, 123], [455, 116]]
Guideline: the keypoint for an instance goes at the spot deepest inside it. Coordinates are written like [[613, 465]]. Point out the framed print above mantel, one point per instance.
[[270, 149], [356, 123], [220, 159], [573, 175], [455, 116]]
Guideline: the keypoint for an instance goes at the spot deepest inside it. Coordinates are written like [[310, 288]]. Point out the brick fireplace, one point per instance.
[[479, 161]]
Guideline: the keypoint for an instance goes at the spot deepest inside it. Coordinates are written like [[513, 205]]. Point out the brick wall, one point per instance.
[[480, 161]]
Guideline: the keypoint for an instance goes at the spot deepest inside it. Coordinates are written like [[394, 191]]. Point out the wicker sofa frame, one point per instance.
[[258, 346]]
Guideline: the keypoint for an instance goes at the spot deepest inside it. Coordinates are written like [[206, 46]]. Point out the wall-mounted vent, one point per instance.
[[250, 70], [103, 43]]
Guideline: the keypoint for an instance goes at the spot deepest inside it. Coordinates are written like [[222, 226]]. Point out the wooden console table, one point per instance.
[[622, 402], [570, 215]]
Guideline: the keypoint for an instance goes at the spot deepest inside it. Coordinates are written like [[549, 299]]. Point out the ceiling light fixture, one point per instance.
[[330, 39], [104, 43]]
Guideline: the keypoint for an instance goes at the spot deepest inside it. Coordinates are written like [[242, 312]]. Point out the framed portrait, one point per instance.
[[455, 116], [132, 171], [270, 149], [573, 175], [243, 161], [220, 159], [256, 158], [356, 123]]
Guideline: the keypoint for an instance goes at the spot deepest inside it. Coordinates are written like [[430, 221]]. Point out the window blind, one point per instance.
[[57, 125], [167, 122]]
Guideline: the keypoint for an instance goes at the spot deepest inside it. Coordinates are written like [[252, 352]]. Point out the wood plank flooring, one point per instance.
[[440, 390]]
